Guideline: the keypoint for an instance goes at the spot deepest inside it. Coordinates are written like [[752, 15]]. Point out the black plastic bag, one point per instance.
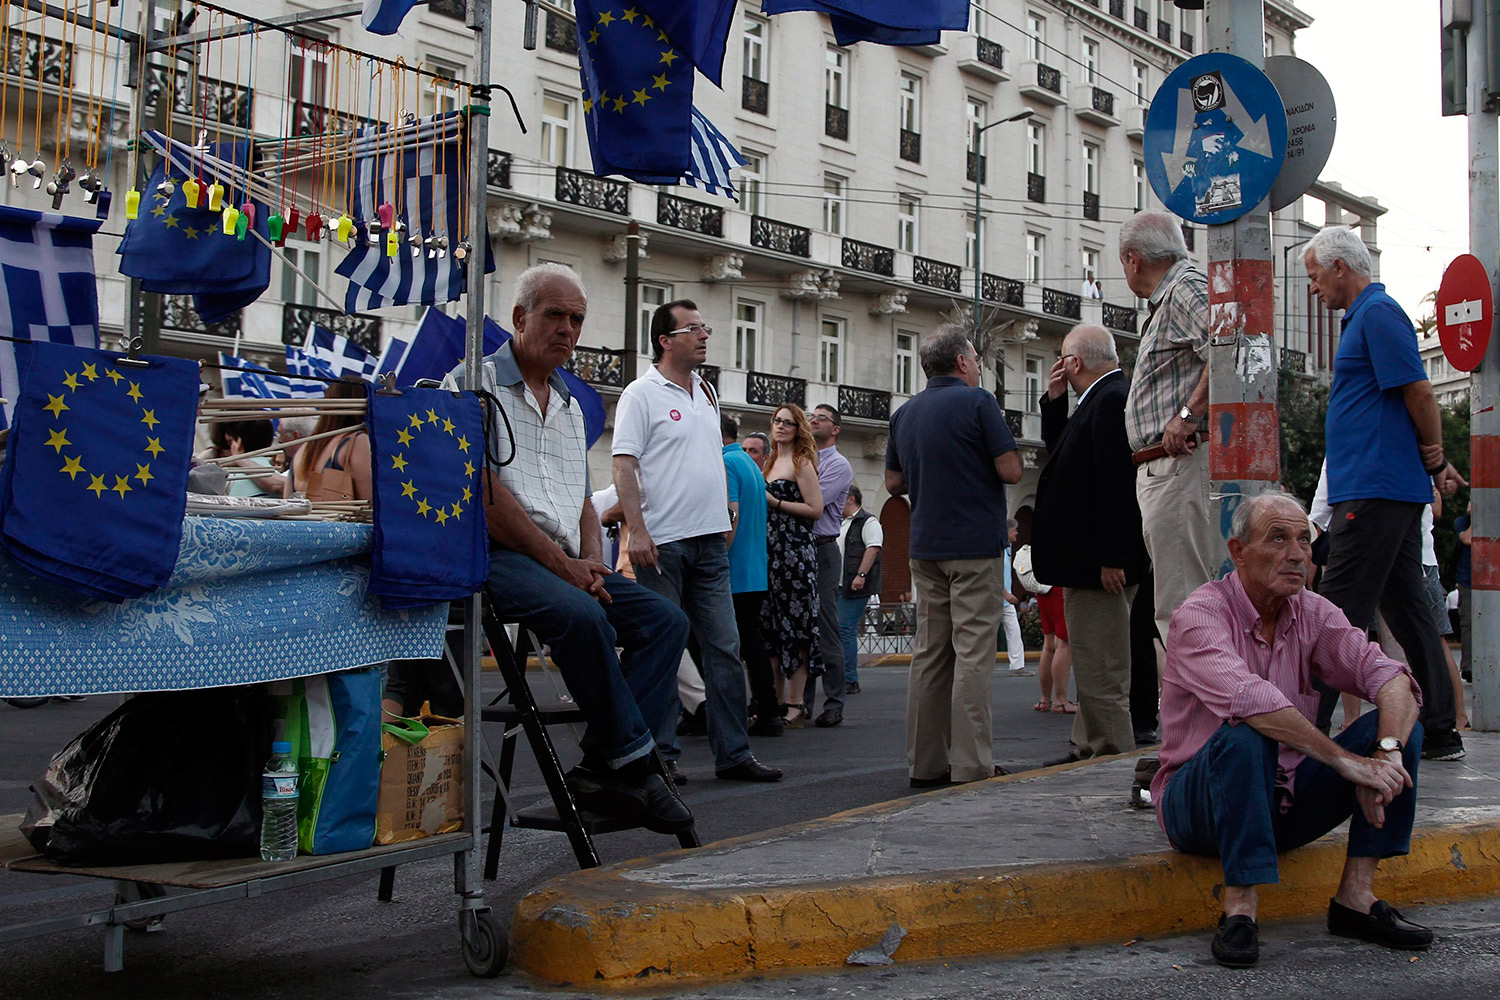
[[168, 776]]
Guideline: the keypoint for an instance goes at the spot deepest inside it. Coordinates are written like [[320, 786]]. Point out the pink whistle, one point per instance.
[[387, 214], [248, 211]]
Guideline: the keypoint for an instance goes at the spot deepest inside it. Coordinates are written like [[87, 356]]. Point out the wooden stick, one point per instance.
[[281, 447]]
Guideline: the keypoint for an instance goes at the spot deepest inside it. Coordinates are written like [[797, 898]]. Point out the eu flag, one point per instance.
[[94, 486], [699, 29], [637, 94], [885, 22], [431, 543]]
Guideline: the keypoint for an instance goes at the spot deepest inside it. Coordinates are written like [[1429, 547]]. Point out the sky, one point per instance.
[[1381, 59]]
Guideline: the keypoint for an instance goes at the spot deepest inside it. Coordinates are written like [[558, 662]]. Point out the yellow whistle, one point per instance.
[[392, 243], [190, 191], [231, 219], [346, 226], [215, 196], [132, 204]]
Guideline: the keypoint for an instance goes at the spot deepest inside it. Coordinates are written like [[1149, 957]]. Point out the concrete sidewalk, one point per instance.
[[1044, 859]]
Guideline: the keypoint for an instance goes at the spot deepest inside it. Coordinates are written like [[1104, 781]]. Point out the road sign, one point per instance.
[[1465, 311], [1310, 118], [1215, 138]]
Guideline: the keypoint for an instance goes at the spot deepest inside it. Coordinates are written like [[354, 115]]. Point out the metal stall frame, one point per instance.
[[146, 891]]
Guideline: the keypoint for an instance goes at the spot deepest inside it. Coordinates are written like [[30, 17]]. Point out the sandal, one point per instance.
[[1041, 706], [792, 716], [1065, 707]]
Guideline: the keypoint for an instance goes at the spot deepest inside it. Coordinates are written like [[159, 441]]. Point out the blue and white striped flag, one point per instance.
[[262, 383], [713, 157], [341, 356], [299, 362], [47, 288], [383, 17]]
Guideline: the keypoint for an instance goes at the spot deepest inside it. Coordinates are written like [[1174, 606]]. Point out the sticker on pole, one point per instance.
[[1465, 311], [1215, 138]]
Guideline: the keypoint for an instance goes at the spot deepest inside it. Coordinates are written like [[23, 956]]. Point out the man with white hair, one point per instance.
[[1384, 437], [1165, 410]]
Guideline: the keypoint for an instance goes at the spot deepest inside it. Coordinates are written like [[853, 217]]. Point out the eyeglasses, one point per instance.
[[1065, 357], [783, 422], [707, 331]]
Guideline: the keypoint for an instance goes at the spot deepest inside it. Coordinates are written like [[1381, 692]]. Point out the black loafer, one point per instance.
[[675, 772], [1237, 943], [606, 794], [749, 769], [665, 810], [1383, 925], [767, 725], [830, 718]]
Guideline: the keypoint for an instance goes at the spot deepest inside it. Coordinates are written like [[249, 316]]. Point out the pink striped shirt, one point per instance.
[[1221, 669]]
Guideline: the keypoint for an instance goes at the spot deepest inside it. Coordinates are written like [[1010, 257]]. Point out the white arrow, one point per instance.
[[1257, 134], [1176, 158]]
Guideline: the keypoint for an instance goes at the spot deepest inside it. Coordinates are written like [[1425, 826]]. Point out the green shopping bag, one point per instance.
[[333, 724]]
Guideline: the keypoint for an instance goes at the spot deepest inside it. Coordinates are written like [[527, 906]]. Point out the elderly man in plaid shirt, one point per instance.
[[1166, 406]]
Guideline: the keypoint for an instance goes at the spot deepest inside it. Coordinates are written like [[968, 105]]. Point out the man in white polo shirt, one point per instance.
[[669, 472]]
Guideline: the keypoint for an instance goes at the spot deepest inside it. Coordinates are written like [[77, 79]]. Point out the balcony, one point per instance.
[[1042, 83], [1036, 188], [1090, 206], [597, 366], [295, 320], [835, 122], [692, 216], [1121, 318], [177, 313], [1186, 42], [755, 95], [1135, 122], [456, 9], [1142, 19], [561, 34], [1188, 237], [937, 274], [975, 168], [1294, 361], [1013, 421], [710, 374], [1064, 304], [1006, 291], [1164, 31], [56, 62], [578, 188], [783, 237], [765, 389], [911, 145], [1117, 8], [868, 257], [216, 100], [868, 404], [1095, 104], [982, 58], [497, 169]]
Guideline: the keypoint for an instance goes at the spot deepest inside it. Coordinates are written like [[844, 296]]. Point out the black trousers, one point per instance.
[[1145, 691], [1375, 564], [752, 650]]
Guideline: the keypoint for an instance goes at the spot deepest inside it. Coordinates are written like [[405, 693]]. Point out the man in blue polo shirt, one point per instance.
[[747, 574], [951, 450], [1384, 453]]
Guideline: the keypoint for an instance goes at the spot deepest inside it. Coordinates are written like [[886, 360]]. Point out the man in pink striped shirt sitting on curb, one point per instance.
[[1244, 772]]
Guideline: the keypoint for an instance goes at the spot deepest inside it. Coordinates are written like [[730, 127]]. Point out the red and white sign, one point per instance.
[[675, 415], [1465, 312]]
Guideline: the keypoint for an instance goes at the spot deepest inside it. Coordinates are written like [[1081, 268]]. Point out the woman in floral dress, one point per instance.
[[790, 614]]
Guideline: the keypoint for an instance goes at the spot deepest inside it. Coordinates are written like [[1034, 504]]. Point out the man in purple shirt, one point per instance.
[[835, 475], [1245, 773]]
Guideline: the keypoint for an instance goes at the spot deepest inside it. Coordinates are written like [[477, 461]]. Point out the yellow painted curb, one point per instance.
[[601, 929]]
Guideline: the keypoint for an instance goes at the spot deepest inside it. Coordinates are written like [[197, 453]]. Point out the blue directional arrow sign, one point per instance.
[[1215, 138]]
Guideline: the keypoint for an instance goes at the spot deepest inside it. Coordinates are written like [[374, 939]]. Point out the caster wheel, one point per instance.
[[486, 942]]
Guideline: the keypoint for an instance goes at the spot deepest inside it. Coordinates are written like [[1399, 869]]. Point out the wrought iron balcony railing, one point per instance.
[[911, 146], [217, 101], [456, 9], [1117, 8], [709, 374], [1015, 420], [1049, 78], [1103, 101], [597, 366], [579, 188], [177, 313], [1164, 31], [976, 168], [990, 53], [835, 121], [561, 34], [871, 404], [869, 257], [497, 169], [937, 274], [1064, 304], [1036, 187], [1142, 19], [765, 389], [1007, 291], [768, 234], [295, 320], [1188, 236], [755, 95], [693, 216], [1120, 318], [1091, 206], [56, 59], [1187, 41]]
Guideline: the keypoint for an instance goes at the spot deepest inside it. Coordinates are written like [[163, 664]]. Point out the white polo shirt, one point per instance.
[[676, 439]]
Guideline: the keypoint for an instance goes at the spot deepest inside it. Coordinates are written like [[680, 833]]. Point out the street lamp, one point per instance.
[[1019, 116]]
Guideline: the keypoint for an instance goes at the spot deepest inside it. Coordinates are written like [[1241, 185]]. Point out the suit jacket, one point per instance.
[[1086, 513]]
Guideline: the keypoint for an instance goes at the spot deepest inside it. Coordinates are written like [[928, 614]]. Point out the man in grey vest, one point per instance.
[[860, 539]]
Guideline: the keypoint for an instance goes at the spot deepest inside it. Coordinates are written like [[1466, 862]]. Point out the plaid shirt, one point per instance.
[[1172, 355]]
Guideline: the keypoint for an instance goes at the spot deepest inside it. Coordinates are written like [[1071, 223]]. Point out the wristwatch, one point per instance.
[[1186, 413], [859, 576], [1388, 744]]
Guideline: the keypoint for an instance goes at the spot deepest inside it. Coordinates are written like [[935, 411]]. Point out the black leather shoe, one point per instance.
[[1237, 943], [749, 769], [947, 779], [1382, 925], [665, 810], [830, 718], [606, 794], [852, 687], [675, 772], [1071, 758], [767, 725]]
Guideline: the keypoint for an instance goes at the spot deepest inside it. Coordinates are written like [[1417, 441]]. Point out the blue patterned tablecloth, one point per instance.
[[249, 601]]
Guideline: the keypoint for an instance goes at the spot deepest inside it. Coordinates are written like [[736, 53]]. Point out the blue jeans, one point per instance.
[[1223, 803], [694, 575], [621, 699], [851, 610]]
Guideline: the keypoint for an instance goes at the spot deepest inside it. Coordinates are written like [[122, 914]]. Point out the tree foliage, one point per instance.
[[1302, 403], [1456, 448]]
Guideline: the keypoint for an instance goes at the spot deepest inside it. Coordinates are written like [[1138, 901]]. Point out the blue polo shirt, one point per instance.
[[945, 440], [1371, 440], [747, 487]]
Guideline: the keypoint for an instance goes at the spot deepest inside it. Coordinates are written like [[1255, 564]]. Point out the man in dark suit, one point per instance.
[[1086, 532]]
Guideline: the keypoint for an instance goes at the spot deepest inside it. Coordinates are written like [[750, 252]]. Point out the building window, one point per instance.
[[979, 20], [1091, 288], [1090, 62], [1091, 168], [911, 103], [969, 238], [1138, 184], [747, 319], [752, 174], [1036, 37], [307, 84], [1140, 82], [907, 223], [1036, 248], [652, 295], [835, 78], [834, 193], [1036, 148], [1270, 45], [557, 130], [975, 113], [753, 46], [831, 351], [440, 94], [906, 362], [294, 287], [1036, 383]]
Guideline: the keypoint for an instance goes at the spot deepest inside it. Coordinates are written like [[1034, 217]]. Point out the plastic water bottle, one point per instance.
[[278, 825]]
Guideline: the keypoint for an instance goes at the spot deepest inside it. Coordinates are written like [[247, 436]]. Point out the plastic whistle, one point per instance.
[[293, 216], [346, 226], [386, 212], [247, 210], [215, 196], [274, 227], [231, 219], [314, 226], [241, 226], [190, 191], [392, 243], [132, 204]]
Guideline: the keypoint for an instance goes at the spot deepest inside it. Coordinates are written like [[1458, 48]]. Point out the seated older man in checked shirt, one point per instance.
[[1244, 772]]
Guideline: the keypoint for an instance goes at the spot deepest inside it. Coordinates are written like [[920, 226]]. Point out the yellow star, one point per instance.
[[668, 57], [121, 486], [408, 489], [441, 515], [97, 485], [463, 445], [153, 445], [190, 232], [588, 105], [403, 436], [661, 36], [171, 221], [447, 425], [55, 405], [150, 419], [619, 103], [432, 416], [73, 467], [71, 381], [646, 22], [661, 82], [468, 471], [641, 97], [467, 496], [160, 209], [457, 510], [594, 37], [416, 422], [606, 18], [630, 14], [398, 462], [135, 391], [56, 440], [423, 507], [90, 372], [143, 473], [114, 376]]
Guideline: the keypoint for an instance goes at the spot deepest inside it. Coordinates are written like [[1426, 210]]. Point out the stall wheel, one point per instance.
[[486, 941]]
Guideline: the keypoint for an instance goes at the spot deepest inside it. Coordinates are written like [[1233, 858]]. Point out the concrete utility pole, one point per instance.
[[1244, 433], [1484, 389]]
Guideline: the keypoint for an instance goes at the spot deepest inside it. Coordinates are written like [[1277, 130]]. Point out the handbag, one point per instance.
[[333, 724]]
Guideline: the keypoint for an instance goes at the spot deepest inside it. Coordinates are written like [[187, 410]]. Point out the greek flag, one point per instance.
[[47, 288], [342, 357], [383, 17], [713, 157], [262, 383]]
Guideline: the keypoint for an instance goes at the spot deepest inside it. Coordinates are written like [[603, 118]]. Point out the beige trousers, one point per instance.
[[1099, 635], [948, 722], [1182, 530]]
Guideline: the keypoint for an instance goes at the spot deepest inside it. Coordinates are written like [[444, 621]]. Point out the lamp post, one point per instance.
[[1019, 116]]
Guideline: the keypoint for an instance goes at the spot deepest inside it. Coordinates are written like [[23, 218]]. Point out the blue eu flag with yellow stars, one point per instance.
[[94, 486], [637, 93], [431, 543]]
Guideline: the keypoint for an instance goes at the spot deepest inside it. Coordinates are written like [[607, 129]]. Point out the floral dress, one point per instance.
[[789, 616]]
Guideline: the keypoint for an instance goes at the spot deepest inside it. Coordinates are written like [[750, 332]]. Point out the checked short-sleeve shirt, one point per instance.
[[1173, 353]]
